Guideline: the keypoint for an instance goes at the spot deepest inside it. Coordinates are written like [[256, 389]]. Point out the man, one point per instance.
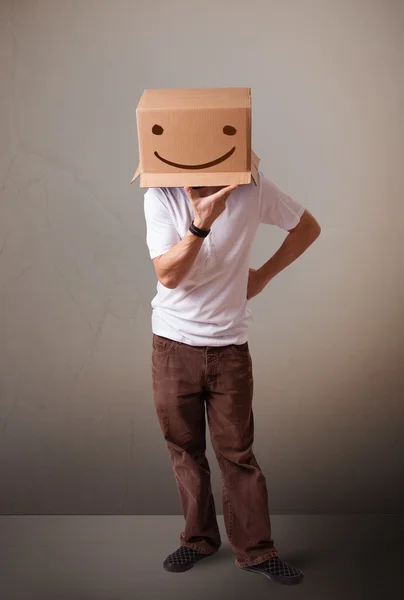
[[200, 241]]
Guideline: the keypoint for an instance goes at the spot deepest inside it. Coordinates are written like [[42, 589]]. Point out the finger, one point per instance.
[[226, 191], [229, 188], [189, 192]]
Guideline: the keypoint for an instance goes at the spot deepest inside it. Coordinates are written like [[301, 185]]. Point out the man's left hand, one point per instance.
[[256, 283]]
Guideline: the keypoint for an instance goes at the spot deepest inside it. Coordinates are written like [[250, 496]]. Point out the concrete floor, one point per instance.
[[120, 557]]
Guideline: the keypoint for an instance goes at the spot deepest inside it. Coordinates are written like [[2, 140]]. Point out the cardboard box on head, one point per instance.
[[195, 137]]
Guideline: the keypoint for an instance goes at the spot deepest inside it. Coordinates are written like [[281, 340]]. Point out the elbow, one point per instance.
[[168, 283], [317, 230], [314, 227], [314, 232]]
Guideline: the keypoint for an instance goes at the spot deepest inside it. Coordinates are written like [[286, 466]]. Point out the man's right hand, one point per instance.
[[208, 208]]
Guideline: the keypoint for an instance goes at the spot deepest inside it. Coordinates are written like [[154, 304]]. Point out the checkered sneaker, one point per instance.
[[182, 559], [277, 570]]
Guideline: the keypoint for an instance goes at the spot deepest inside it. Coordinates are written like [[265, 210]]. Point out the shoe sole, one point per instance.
[[170, 568], [274, 578]]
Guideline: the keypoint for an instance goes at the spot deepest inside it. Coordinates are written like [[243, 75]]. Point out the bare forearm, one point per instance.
[[295, 243], [207, 205], [175, 264]]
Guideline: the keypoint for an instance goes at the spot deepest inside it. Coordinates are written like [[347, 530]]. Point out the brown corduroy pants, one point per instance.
[[185, 379]]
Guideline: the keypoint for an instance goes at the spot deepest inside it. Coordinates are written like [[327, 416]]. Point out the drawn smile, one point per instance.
[[204, 166]]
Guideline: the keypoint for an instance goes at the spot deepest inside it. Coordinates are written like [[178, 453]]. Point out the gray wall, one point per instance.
[[78, 431]]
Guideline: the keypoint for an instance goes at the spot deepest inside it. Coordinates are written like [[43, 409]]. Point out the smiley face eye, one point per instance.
[[229, 130], [157, 129]]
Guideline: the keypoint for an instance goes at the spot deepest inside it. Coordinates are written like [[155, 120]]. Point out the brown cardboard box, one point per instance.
[[195, 137]]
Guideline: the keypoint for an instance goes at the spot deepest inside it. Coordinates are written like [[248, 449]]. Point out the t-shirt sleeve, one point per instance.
[[161, 233], [277, 207]]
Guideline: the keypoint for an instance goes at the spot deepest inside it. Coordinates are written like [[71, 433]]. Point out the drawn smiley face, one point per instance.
[[227, 130]]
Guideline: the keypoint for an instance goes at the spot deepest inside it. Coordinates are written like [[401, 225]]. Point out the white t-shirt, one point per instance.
[[209, 307]]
